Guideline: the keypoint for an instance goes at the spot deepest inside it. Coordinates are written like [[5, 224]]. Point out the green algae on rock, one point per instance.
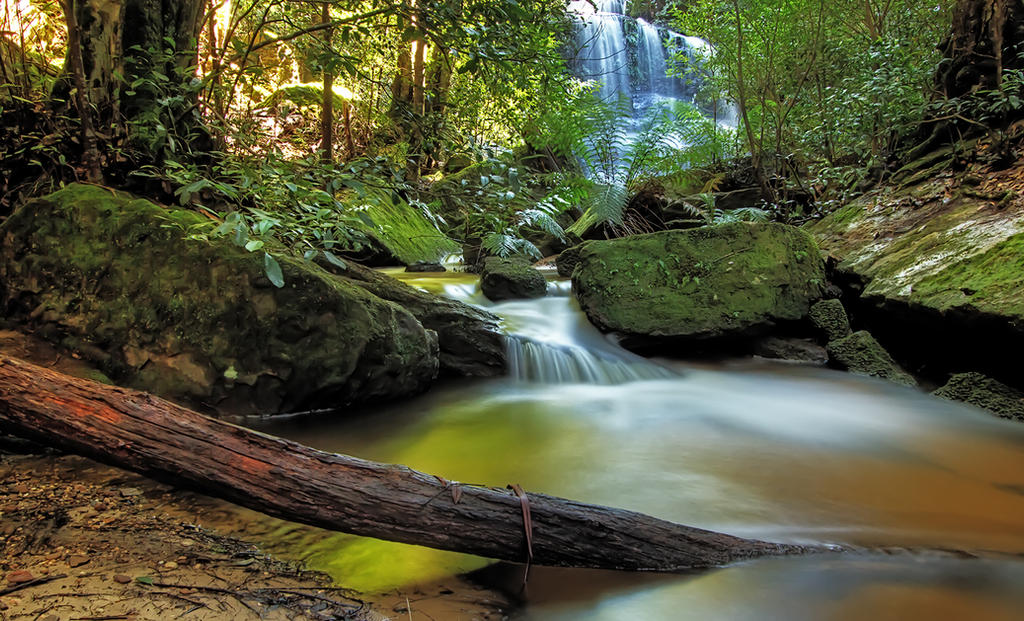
[[829, 317], [120, 280], [861, 354], [711, 283], [939, 271], [986, 393], [510, 279]]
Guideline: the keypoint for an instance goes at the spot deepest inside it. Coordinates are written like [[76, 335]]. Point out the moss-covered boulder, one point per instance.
[[986, 393], [939, 268], [510, 279], [119, 280], [829, 318], [861, 354], [709, 284]]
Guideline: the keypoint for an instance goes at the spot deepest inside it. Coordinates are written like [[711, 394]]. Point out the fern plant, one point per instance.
[[670, 144]]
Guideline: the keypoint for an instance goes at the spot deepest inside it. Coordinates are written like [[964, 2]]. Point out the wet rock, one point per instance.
[[986, 393], [201, 322], [711, 284], [791, 349], [510, 279], [567, 260], [829, 318], [470, 342], [918, 262], [421, 266], [861, 354]]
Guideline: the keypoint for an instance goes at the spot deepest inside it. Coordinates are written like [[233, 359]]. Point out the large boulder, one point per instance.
[[125, 283], [986, 393], [714, 283], [510, 279], [939, 269]]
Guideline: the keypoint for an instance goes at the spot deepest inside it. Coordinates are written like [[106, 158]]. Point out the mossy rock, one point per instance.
[[986, 393], [860, 354], [829, 318], [918, 248], [510, 279], [120, 280], [711, 283]]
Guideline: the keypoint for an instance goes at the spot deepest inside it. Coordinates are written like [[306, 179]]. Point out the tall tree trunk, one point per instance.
[[90, 154], [287, 480], [327, 107], [135, 54], [987, 38]]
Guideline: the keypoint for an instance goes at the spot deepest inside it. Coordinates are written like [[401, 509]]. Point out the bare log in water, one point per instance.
[[285, 479]]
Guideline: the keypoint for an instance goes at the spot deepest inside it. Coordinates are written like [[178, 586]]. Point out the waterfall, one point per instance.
[[651, 59], [543, 363], [601, 45]]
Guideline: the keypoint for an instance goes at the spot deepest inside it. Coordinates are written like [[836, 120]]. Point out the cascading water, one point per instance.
[[603, 54], [651, 58], [601, 44]]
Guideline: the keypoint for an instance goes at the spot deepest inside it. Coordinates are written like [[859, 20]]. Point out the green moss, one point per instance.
[[700, 283], [843, 216], [172, 314], [991, 281]]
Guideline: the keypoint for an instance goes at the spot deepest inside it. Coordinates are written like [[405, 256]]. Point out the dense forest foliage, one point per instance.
[[439, 123]]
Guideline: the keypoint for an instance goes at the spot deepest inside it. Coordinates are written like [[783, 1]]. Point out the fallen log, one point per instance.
[[149, 435]]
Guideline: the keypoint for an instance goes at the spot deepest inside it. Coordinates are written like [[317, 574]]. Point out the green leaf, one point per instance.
[[145, 580], [335, 260], [273, 270], [254, 245]]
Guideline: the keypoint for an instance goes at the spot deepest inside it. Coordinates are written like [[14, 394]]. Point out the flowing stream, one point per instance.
[[931, 492]]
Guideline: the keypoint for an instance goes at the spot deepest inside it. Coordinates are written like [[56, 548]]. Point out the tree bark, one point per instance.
[[987, 38], [284, 479], [327, 102]]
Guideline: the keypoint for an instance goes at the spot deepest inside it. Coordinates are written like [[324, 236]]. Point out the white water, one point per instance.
[[601, 46]]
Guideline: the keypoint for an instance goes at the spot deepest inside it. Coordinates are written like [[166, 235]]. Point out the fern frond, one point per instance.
[[539, 220], [605, 205]]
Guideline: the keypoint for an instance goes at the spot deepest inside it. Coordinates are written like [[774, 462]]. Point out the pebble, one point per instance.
[[77, 560], [122, 579], [19, 577], [130, 491], [170, 565]]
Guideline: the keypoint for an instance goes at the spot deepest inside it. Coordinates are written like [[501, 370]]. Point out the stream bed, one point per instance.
[[930, 492]]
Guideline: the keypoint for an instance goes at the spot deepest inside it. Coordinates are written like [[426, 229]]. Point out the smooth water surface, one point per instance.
[[772, 451]]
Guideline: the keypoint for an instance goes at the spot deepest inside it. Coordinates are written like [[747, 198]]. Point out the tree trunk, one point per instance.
[[987, 39], [284, 479], [134, 54], [327, 103]]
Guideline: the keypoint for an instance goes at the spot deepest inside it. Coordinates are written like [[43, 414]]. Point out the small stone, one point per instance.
[[130, 491], [20, 577], [829, 317], [99, 507], [77, 560], [170, 565], [122, 579]]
